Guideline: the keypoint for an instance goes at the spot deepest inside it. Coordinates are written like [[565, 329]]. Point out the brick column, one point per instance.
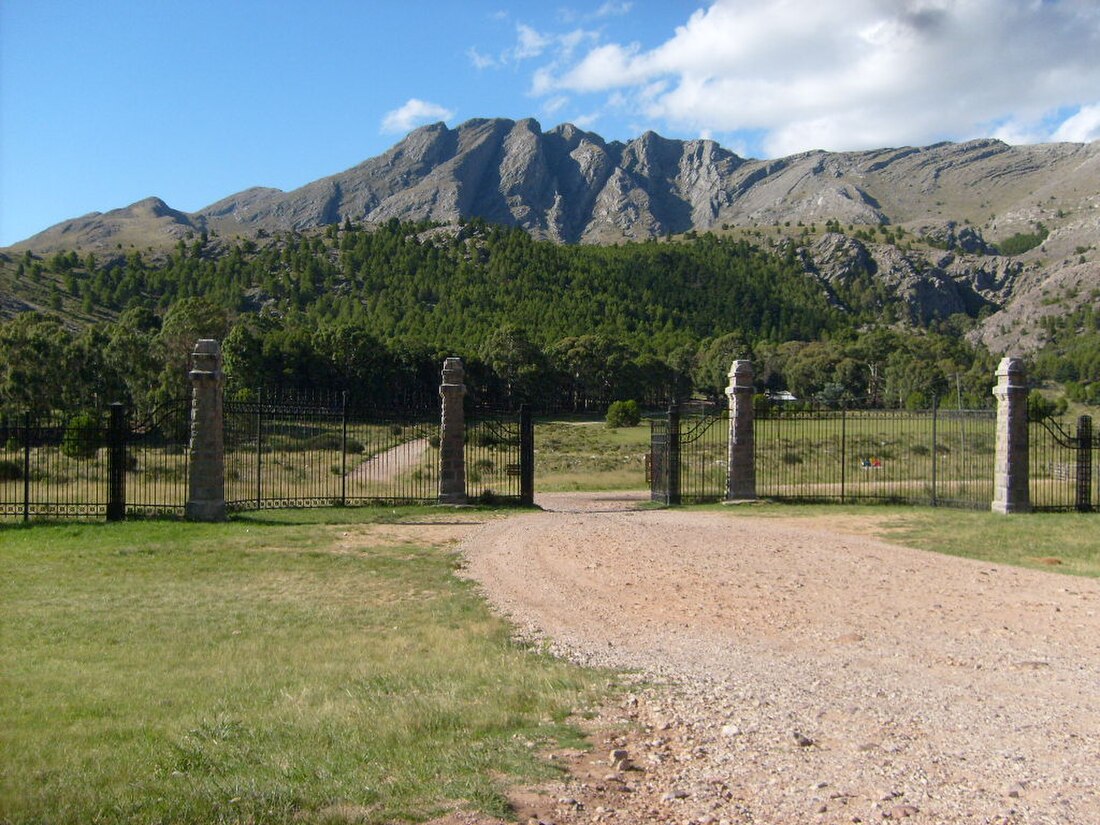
[[206, 457], [452, 435], [741, 470], [1010, 479]]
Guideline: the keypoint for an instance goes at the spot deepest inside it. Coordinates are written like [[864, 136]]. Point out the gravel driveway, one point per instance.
[[807, 674]]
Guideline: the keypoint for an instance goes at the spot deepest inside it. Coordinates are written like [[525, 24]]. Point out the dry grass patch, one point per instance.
[[261, 672]]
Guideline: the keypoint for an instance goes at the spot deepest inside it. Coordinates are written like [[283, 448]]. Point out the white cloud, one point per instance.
[[851, 74], [586, 121], [481, 61], [554, 104], [1083, 127], [414, 113], [530, 43], [613, 9]]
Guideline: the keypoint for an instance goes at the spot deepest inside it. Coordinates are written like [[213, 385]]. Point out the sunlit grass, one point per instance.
[[265, 670], [1062, 542], [588, 455]]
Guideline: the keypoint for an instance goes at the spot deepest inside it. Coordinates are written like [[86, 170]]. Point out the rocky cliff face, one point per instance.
[[569, 186]]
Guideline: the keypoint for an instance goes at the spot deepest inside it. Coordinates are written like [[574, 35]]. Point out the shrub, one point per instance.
[[324, 441], [82, 436], [484, 438], [1040, 407], [10, 471], [1023, 242], [623, 414]]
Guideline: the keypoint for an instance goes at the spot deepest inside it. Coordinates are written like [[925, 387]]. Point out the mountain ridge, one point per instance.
[[568, 185], [572, 186]]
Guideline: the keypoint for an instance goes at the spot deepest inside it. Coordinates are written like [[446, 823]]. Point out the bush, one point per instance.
[[1023, 242], [324, 441], [623, 414], [1040, 407], [82, 436], [10, 471]]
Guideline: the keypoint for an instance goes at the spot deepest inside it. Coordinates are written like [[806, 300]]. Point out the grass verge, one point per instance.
[[588, 455], [1064, 542], [302, 667]]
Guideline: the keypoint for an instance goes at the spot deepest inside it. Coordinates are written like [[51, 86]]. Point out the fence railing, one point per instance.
[[93, 465], [309, 451], [1064, 465], [937, 457], [500, 456]]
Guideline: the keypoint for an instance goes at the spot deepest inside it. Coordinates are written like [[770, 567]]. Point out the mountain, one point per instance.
[[572, 186]]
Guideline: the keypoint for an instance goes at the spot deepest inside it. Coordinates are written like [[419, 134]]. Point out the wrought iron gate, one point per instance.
[[1062, 472], [688, 454], [500, 456]]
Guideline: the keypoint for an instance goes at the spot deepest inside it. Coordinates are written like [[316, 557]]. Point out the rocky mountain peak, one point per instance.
[[569, 185]]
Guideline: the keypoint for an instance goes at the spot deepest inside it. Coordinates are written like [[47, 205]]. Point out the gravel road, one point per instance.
[[801, 672]]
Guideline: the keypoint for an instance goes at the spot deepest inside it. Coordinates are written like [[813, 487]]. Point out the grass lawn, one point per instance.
[[289, 667], [1062, 542], [588, 455]]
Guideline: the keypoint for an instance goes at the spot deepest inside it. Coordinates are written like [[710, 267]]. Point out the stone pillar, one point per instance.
[[741, 470], [452, 435], [206, 457], [1010, 479]]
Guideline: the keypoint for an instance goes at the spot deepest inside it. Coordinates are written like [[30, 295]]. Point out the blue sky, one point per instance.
[[104, 103]]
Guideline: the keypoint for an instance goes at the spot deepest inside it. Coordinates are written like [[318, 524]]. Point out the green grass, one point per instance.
[[588, 455], [1066, 542], [273, 669], [1062, 542]]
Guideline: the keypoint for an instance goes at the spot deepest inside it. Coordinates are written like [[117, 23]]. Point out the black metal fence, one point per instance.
[[689, 454], [937, 457], [296, 450], [93, 465], [1064, 465], [500, 456], [285, 450], [299, 450]]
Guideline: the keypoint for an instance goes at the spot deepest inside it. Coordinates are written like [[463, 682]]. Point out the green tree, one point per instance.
[[185, 323]]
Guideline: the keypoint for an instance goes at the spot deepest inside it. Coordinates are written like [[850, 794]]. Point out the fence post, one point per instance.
[[259, 446], [206, 457], [452, 434], [116, 463], [843, 451], [27, 466], [526, 456], [673, 454], [1010, 479], [741, 468], [344, 449], [1084, 464], [935, 454]]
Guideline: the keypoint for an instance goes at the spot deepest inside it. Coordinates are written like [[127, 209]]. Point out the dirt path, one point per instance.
[[812, 674], [391, 464]]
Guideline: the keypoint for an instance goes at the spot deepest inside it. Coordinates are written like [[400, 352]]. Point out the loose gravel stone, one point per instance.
[[901, 668]]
